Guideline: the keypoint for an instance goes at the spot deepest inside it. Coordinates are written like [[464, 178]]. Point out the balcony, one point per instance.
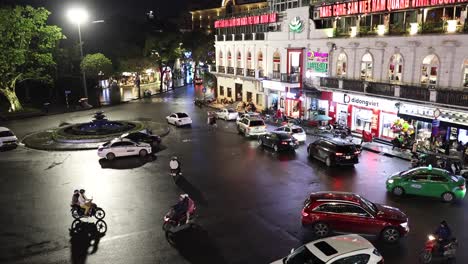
[[414, 92], [221, 69], [290, 78], [452, 97], [230, 70], [251, 72], [212, 68], [239, 71], [276, 75], [381, 89], [261, 74]]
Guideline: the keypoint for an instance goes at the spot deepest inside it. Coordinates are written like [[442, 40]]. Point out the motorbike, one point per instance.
[[433, 252], [77, 212], [198, 102]]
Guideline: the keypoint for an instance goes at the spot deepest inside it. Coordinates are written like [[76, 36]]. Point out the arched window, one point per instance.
[[429, 70], [276, 62], [260, 60], [366, 67], [465, 73], [341, 65], [249, 60], [239, 60], [229, 57], [220, 57], [395, 69]]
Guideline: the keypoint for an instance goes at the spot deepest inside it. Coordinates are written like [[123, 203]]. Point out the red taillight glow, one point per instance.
[[305, 214], [284, 143], [339, 154], [357, 152]]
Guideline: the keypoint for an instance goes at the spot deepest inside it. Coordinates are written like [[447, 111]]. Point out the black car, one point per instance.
[[278, 141], [153, 140], [334, 151]]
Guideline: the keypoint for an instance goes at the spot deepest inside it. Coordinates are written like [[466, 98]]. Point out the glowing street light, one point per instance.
[[78, 16]]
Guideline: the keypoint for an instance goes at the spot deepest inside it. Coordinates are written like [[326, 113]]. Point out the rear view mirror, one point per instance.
[[292, 250]]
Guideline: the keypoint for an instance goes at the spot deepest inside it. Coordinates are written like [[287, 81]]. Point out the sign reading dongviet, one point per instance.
[[246, 21], [373, 6]]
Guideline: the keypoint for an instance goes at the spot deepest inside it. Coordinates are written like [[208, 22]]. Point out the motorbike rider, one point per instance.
[[443, 234], [181, 208], [75, 198], [174, 164], [85, 203]]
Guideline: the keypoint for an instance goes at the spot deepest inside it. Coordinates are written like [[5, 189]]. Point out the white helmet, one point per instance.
[[174, 158], [184, 195]]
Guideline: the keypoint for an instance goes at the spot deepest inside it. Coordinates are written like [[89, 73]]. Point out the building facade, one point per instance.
[[374, 61]]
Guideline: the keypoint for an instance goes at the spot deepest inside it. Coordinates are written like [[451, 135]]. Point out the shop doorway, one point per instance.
[[238, 91], [342, 114], [273, 101]]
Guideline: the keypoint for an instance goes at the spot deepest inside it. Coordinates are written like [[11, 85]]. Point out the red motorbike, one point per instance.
[[433, 252]]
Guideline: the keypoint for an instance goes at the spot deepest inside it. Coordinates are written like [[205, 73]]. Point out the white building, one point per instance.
[[412, 56]]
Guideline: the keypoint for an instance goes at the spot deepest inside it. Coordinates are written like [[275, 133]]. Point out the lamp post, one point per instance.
[[79, 16]]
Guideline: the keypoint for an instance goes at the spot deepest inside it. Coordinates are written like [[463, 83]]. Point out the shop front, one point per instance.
[[433, 122], [363, 113]]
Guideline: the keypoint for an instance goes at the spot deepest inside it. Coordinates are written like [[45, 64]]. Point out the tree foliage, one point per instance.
[[26, 46], [93, 64], [135, 64], [201, 44]]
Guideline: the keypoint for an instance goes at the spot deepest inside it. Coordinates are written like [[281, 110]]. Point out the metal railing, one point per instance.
[[261, 74], [251, 72], [381, 89], [290, 78], [452, 97], [239, 71], [230, 70], [276, 75], [221, 69], [414, 92]]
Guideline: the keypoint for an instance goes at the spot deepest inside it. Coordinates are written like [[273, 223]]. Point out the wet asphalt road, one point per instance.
[[248, 199]]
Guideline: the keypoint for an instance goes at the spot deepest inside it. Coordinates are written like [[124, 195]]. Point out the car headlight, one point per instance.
[[404, 225], [390, 181]]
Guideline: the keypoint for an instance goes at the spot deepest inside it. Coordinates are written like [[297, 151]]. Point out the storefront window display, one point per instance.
[[366, 67], [387, 121], [429, 70], [342, 114], [395, 69], [463, 136], [341, 65], [362, 119]]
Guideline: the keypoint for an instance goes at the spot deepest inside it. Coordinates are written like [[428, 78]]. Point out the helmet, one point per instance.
[[76, 191], [174, 158], [183, 196], [82, 191], [443, 223]]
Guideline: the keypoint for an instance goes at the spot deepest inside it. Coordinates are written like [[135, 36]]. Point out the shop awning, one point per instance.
[[429, 120]]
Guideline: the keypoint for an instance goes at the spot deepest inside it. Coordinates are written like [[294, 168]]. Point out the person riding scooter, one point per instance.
[[184, 208], [444, 234], [174, 164]]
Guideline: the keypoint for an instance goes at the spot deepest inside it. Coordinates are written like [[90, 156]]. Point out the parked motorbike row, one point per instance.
[[449, 163]]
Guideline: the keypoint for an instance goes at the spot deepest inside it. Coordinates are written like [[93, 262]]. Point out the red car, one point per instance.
[[350, 213]]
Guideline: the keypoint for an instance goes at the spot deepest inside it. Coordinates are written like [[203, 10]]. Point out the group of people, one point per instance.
[[186, 206], [79, 199]]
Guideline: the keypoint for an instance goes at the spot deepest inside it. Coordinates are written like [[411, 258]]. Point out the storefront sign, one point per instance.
[[374, 6], [296, 25], [317, 61], [369, 102], [445, 115], [246, 21]]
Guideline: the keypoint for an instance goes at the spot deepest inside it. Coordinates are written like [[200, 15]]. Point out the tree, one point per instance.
[[164, 49], [201, 45], [94, 64], [26, 48]]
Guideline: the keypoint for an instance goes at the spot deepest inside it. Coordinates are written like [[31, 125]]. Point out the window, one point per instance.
[[465, 73], [439, 179], [221, 61], [325, 248], [6, 134], [221, 90], [429, 70], [356, 259], [395, 69], [254, 123], [229, 57], [260, 60], [182, 115], [229, 92], [419, 178], [249, 97], [258, 100], [276, 61], [366, 67], [355, 211], [341, 65], [239, 59], [249, 60]]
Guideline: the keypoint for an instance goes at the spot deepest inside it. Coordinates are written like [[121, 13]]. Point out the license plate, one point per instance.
[[348, 157]]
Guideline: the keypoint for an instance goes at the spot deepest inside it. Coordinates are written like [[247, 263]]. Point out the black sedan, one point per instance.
[[278, 141], [153, 140]]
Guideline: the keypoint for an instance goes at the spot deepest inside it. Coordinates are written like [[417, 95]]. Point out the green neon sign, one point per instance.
[[296, 25], [317, 66]]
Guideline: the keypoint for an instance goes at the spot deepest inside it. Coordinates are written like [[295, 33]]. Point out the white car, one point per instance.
[[121, 147], [227, 114], [346, 249], [249, 114], [296, 131], [7, 138], [179, 119], [251, 126]]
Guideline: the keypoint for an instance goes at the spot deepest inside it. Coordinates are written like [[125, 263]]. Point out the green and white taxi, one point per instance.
[[427, 181]]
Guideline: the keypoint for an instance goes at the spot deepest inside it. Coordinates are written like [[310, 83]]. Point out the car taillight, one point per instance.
[[305, 214], [284, 142], [339, 154], [357, 152]]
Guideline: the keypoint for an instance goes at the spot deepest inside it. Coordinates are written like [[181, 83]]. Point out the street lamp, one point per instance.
[[79, 16]]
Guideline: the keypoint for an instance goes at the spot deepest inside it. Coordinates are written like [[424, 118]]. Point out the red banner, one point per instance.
[[246, 21]]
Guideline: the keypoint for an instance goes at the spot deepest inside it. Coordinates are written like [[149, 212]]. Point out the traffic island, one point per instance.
[[89, 135]]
